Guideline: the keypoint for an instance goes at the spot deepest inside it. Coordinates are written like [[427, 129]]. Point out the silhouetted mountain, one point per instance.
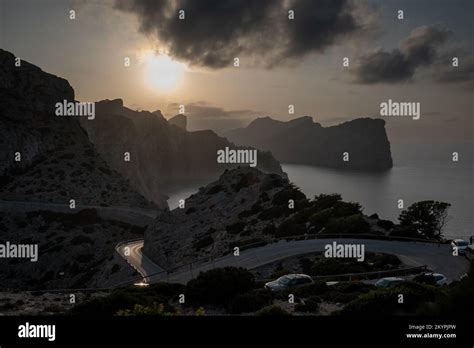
[[303, 141], [180, 121], [163, 156], [44, 157]]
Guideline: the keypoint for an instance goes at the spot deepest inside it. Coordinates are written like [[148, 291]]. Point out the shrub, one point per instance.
[[274, 212], [251, 301], [290, 228], [203, 242], [321, 218], [105, 170], [317, 288], [324, 201], [256, 208], [273, 311], [155, 310], [215, 189], [311, 305], [219, 286], [269, 229], [271, 181], [354, 224], [282, 197], [81, 239], [235, 228], [245, 180], [405, 232], [385, 224], [414, 295]]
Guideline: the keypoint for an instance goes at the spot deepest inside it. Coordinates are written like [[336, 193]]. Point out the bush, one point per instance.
[[246, 180], [321, 218], [385, 224], [370, 304], [255, 209], [269, 229], [310, 305], [81, 239], [215, 189], [251, 301], [273, 311], [203, 242], [219, 286], [331, 266], [317, 288], [405, 232], [235, 228], [354, 224], [282, 197], [275, 212], [324, 201], [127, 298], [290, 228]]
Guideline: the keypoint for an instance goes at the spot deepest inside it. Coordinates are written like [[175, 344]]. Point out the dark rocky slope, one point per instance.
[[303, 141], [58, 162], [247, 208], [163, 154]]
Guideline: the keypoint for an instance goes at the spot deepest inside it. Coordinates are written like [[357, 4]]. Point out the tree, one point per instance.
[[427, 218]]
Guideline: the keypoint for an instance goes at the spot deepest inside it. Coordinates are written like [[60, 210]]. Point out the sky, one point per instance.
[[190, 61]]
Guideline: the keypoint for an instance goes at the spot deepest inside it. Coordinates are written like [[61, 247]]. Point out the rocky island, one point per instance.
[[360, 144]]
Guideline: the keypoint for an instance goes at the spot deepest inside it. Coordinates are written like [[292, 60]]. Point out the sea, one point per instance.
[[420, 172]]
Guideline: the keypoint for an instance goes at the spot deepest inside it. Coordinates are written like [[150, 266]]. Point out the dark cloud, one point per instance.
[[419, 49], [216, 31]]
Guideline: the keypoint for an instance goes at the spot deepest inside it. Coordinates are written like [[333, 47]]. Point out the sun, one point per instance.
[[162, 72]]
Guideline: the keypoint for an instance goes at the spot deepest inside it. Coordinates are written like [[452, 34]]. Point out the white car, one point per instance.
[[289, 281], [439, 278], [459, 244], [388, 282]]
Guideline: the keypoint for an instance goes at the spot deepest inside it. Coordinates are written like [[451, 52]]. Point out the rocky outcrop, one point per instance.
[[303, 141], [180, 121], [246, 208], [162, 156], [46, 158], [233, 211]]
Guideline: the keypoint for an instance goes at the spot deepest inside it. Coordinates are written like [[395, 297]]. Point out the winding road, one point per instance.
[[437, 257]]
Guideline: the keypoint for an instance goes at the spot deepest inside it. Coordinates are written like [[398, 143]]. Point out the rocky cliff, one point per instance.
[[246, 208], [180, 121], [44, 157], [220, 216], [163, 155], [303, 141]]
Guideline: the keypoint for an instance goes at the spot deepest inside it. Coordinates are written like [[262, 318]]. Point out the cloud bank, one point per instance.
[[419, 49], [216, 31]]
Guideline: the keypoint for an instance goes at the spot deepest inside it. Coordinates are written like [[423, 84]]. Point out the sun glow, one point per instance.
[[161, 72]]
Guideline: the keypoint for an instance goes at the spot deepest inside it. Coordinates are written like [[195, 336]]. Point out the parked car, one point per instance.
[[459, 244], [388, 282], [289, 281]]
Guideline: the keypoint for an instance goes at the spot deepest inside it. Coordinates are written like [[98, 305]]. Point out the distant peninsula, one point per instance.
[[360, 144]]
